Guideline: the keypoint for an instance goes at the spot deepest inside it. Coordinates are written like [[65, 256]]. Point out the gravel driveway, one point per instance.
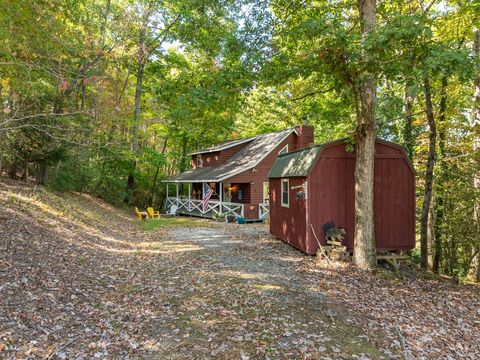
[[81, 280]]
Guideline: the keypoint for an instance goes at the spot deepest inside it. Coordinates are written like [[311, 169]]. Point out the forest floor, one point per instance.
[[82, 279]]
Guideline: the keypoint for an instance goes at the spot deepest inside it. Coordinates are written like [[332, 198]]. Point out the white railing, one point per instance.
[[263, 210], [213, 207]]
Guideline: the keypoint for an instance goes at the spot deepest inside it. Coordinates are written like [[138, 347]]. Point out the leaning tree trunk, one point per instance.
[[137, 114], [364, 252], [428, 193], [440, 199]]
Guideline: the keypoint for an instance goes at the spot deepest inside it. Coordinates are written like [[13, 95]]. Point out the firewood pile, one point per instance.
[[334, 250]]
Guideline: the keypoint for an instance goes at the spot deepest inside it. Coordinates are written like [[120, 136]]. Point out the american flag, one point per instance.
[[206, 198]]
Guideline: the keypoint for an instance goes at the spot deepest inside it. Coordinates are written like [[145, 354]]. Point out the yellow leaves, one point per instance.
[[50, 350]]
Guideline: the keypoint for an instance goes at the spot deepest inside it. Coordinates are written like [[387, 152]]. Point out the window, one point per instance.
[[266, 192], [284, 150], [285, 193], [199, 160]]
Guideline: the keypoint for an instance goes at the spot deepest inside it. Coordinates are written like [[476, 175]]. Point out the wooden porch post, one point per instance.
[[166, 198], [189, 196], [204, 186], [177, 194], [220, 196]]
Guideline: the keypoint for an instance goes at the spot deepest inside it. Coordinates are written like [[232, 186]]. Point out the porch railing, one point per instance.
[[263, 210], [196, 207]]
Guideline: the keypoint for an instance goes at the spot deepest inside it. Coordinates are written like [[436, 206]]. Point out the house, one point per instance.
[[315, 185], [237, 173]]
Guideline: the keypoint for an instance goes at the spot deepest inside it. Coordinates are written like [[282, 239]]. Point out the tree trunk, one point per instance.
[[152, 190], [183, 159], [409, 99], [440, 199], [84, 96], [12, 173], [427, 197], [364, 252], [25, 170], [141, 57], [476, 129], [430, 235], [42, 172]]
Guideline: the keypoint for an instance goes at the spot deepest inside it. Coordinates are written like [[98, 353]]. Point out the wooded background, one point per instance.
[[108, 97]]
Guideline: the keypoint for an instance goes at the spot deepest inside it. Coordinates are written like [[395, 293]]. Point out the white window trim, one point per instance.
[[287, 204], [284, 150]]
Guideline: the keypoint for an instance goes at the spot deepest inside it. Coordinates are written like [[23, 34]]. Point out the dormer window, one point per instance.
[[284, 150], [199, 161]]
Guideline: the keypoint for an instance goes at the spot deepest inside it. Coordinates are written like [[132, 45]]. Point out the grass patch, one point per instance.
[[152, 224]]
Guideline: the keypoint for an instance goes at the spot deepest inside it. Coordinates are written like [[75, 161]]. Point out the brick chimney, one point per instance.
[[305, 136]]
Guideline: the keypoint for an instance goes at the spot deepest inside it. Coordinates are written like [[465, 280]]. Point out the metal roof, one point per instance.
[[223, 146], [295, 163], [300, 162], [247, 158]]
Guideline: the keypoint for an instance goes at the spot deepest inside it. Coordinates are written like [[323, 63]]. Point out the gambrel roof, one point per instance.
[[300, 163]]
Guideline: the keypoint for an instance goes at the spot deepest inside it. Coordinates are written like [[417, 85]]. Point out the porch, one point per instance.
[[226, 199]]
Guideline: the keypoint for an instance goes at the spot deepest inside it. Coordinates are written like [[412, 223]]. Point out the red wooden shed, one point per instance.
[[315, 185]]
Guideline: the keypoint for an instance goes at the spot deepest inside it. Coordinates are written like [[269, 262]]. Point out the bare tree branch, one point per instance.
[[323, 91], [162, 36], [39, 116]]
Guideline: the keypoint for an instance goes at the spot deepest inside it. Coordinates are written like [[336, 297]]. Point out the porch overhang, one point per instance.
[[176, 181]]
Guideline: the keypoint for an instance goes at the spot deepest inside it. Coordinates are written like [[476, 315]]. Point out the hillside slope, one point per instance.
[[82, 279]]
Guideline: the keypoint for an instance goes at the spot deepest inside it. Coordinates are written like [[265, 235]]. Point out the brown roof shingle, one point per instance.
[[247, 158]]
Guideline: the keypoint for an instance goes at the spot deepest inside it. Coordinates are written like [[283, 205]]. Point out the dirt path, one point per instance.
[[79, 279]]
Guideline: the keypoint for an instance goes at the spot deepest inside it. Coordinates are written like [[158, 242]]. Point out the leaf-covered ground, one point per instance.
[[81, 279]]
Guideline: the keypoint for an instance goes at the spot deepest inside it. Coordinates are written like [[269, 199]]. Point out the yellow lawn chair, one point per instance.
[[141, 214], [152, 213]]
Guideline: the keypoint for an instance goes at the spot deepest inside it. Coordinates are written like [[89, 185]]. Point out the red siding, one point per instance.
[[251, 181], [251, 211], [218, 157], [288, 224], [394, 204], [257, 176], [228, 153], [305, 136], [211, 159], [331, 197]]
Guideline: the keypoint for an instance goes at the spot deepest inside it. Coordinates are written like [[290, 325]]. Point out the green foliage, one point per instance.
[[169, 222]]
